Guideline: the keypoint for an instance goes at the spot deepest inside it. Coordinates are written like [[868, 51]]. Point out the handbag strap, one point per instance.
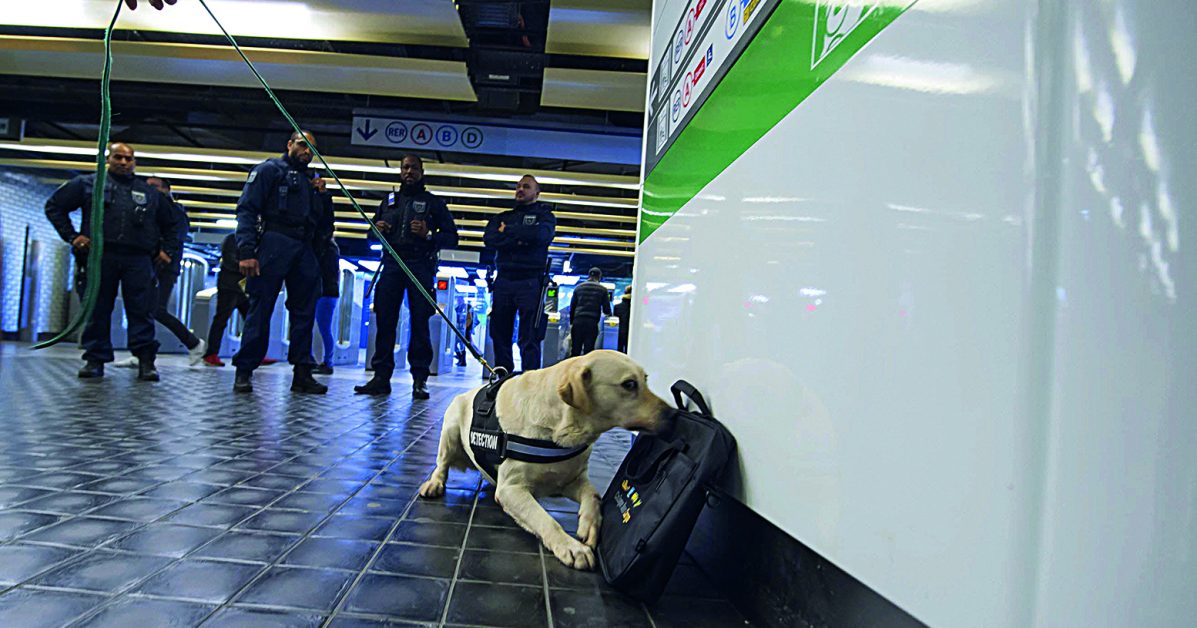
[[682, 390]]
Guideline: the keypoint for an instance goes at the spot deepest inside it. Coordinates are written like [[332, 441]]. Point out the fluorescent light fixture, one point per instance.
[[467, 289], [481, 273], [608, 285], [347, 265], [481, 283], [565, 280], [375, 247], [226, 223], [456, 272], [369, 264]]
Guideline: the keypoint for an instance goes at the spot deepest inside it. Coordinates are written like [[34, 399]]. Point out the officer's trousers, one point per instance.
[[388, 298], [511, 297], [582, 335], [133, 273], [281, 260]]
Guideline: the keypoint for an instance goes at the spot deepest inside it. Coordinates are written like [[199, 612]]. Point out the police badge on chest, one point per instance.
[[529, 220]]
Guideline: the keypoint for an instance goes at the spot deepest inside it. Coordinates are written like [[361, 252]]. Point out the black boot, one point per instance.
[[303, 382], [91, 370], [419, 388], [380, 384], [322, 369], [146, 371], [242, 382]]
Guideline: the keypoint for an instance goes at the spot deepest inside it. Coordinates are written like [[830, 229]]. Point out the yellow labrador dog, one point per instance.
[[570, 403]]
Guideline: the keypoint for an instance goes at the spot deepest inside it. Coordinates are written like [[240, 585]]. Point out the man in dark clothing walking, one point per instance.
[[521, 238], [623, 310], [139, 232], [417, 225], [586, 311], [230, 297]]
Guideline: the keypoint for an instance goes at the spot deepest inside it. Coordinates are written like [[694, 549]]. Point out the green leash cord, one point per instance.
[[96, 250]]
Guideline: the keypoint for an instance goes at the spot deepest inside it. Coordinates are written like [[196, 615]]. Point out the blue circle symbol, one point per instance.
[[421, 134], [733, 19], [446, 136], [471, 137], [677, 104], [396, 132]]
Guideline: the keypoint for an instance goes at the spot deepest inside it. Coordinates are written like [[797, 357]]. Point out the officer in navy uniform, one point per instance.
[[521, 238], [284, 222], [417, 225], [139, 233]]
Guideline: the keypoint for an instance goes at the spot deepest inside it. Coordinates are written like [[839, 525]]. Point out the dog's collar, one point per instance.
[[492, 445]]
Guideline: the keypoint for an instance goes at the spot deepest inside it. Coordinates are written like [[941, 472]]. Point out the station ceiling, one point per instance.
[[180, 91]]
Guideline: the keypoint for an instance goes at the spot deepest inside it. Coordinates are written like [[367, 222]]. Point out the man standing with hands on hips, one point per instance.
[[284, 221], [520, 238]]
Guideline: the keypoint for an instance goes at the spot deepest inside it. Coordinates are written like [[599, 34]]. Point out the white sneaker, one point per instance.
[[196, 354], [130, 362]]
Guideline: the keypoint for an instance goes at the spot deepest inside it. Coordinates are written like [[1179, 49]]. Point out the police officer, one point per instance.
[[284, 220], [166, 279], [139, 231], [417, 225], [586, 309], [521, 238]]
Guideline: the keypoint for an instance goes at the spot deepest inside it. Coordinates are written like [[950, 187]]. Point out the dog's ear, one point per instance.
[[574, 388]]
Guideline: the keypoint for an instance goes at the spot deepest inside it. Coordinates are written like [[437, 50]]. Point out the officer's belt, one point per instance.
[[492, 445], [297, 232]]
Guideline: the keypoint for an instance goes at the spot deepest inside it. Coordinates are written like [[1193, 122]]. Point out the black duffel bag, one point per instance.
[[654, 501]]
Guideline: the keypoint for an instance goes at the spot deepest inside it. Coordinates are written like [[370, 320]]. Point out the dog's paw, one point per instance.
[[588, 530], [574, 554], [432, 487]]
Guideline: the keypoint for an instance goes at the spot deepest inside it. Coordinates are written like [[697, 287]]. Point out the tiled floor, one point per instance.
[[133, 504]]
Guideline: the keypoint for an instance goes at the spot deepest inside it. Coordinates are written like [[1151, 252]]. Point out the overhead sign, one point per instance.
[[428, 135], [709, 37]]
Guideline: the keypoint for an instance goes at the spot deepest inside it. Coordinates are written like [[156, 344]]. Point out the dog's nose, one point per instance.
[[666, 420]]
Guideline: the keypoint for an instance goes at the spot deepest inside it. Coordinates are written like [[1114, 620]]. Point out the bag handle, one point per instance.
[[684, 388], [649, 470]]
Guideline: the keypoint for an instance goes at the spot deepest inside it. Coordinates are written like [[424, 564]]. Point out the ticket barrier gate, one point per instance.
[[608, 337], [444, 341], [555, 348]]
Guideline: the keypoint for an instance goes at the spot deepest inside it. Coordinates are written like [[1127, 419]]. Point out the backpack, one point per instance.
[[652, 504]]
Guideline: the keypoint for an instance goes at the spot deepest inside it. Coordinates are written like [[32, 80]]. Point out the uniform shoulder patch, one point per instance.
[[252, 175]]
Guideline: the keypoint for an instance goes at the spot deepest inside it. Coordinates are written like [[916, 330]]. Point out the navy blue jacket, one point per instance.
[[523, 245], [278, 196], [410, 203], [137, 217]]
